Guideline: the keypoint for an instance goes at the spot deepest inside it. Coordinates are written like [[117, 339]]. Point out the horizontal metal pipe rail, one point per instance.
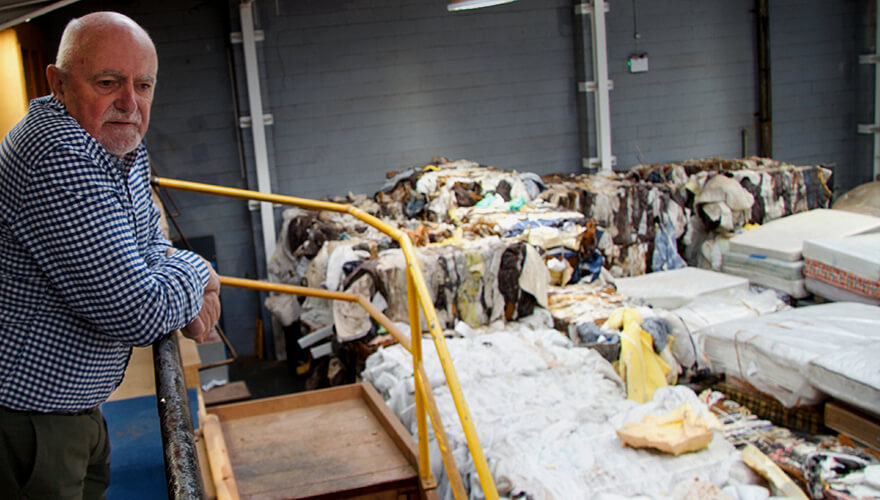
[[418, 295]]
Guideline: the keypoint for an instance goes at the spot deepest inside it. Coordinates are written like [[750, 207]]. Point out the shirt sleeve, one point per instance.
[[76, 220], [157, 243]]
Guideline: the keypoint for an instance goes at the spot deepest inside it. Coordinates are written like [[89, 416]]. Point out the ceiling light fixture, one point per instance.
[[455, 5]]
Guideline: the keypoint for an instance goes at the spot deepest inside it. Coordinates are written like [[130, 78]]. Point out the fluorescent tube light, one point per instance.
[[455, 5]]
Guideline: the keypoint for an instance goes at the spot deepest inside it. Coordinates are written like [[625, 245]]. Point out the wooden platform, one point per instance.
[[341, 442]]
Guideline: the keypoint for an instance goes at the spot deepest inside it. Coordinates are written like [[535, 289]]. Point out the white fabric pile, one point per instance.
[[546, 413]]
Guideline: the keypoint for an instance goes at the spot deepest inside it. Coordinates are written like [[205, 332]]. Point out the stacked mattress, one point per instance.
[[678, 287], [844, 269], [800, 355], [772, 254]]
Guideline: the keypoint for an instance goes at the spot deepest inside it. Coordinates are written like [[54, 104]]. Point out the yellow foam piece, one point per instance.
[[643, 370], [677, 432]]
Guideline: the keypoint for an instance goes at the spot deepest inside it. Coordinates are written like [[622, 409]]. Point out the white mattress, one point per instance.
[[851, 374], [859, 255], [782, 269], [794, 287], [773, 352], [783, 238], [677, 287], [835, 293], [838, 268]]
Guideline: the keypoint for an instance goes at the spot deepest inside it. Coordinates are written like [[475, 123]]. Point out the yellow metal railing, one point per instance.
[[417, 296]]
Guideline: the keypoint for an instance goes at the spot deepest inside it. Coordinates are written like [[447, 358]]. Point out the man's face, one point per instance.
[[108, 88]]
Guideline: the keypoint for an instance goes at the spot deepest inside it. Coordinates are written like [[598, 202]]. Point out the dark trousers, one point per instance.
[[54, 456]]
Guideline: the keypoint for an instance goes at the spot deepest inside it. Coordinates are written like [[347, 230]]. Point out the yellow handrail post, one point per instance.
[[458, 491], [452, 382], [415, 337]]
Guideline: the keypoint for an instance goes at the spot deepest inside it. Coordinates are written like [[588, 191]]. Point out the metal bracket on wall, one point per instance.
[[592, 164], [246, 121], [236, 36], [253, 206], [593, 86], [587, 8]]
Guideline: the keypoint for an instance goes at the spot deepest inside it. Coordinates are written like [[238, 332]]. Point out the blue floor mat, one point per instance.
[[137, 463]]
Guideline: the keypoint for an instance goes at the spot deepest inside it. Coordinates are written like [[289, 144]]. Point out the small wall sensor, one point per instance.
[[637, 63]]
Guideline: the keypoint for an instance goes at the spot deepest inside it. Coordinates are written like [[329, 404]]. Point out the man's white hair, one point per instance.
[[75, 32]]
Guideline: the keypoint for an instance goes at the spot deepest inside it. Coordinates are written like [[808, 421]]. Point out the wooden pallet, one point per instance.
[[341, 442], [858, 424]]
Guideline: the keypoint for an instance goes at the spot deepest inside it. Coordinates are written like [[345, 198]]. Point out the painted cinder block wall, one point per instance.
[[700, 91], [819, 87], [357, 88], [362, 87]]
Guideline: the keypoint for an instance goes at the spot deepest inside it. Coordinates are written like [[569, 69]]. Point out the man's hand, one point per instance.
[[200, 328]]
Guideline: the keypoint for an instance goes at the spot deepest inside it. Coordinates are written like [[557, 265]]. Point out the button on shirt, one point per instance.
[[83, 271]]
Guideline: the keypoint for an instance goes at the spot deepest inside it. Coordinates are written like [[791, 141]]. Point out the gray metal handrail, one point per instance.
[[182, 471]]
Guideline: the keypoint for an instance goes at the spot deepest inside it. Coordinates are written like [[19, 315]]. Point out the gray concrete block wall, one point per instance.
[[815, 47], [361, 88], [699, 92], [192, 137]]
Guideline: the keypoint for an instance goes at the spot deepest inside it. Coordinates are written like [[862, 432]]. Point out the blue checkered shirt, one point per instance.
[[83, 271]]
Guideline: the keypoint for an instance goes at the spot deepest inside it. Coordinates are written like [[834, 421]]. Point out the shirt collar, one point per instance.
[[124, 164]]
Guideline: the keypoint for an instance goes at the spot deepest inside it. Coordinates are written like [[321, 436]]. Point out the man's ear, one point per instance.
[[56, 81]]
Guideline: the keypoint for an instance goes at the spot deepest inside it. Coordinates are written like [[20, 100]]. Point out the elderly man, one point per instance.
[[85, 271]]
